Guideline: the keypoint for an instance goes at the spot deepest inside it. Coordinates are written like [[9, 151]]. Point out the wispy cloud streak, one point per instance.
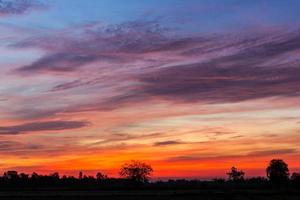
[[141, 61], [41, 126]]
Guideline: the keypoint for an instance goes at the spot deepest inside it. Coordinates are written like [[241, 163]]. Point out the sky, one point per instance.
[[190, 87]]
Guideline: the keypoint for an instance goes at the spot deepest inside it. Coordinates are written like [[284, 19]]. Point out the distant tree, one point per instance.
[[101, 176], [24, 176], [80, 175], [235, 174], [55, 175], [136, 171], [277, 171], [35, 176], [11, 175]]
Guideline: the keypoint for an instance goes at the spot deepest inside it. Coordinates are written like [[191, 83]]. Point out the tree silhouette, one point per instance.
[[235, 174], [101, 176], [11, 175], [136, 171], [80, 175], [55, 175], [35, 175], [277, 171], [24, 176]]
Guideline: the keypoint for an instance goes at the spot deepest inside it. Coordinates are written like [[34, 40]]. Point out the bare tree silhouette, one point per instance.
[[277, 171], [136, 171]]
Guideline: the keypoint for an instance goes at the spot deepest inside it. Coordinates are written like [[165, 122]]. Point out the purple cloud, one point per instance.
[[13, 146], [167, 143], [119, 44], [137, 62], [272, 152], [251, 154], [245, 75], [59, 62], [41, 126], [17, 7]]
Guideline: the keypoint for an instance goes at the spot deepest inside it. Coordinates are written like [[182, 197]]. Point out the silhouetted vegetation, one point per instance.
[[278, 171], [137, 173], [236, 175]]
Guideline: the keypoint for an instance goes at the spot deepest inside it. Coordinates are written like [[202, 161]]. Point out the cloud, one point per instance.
[[17, 7], [251, 73], [137, 62], [185, 158], [167, 143], [272, 152], [118, 44], [67, 85], [250, 154], [123, 137], [59, 62], [41, 126], [64, 62], [76, 83], [25, 149], [7, 146]]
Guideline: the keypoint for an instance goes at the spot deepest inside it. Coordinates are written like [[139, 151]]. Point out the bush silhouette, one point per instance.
[[136, 171], [277, 171], [295, 178]]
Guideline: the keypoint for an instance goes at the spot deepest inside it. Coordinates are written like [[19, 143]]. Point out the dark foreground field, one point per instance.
[[155, 194]]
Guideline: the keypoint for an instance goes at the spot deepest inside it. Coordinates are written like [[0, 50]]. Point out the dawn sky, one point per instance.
[[191, 87]]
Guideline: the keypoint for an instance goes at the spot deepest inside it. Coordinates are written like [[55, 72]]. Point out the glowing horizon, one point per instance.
[[190, 87]]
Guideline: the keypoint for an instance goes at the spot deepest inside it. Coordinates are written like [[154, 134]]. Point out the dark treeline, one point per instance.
[[137, 175]]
